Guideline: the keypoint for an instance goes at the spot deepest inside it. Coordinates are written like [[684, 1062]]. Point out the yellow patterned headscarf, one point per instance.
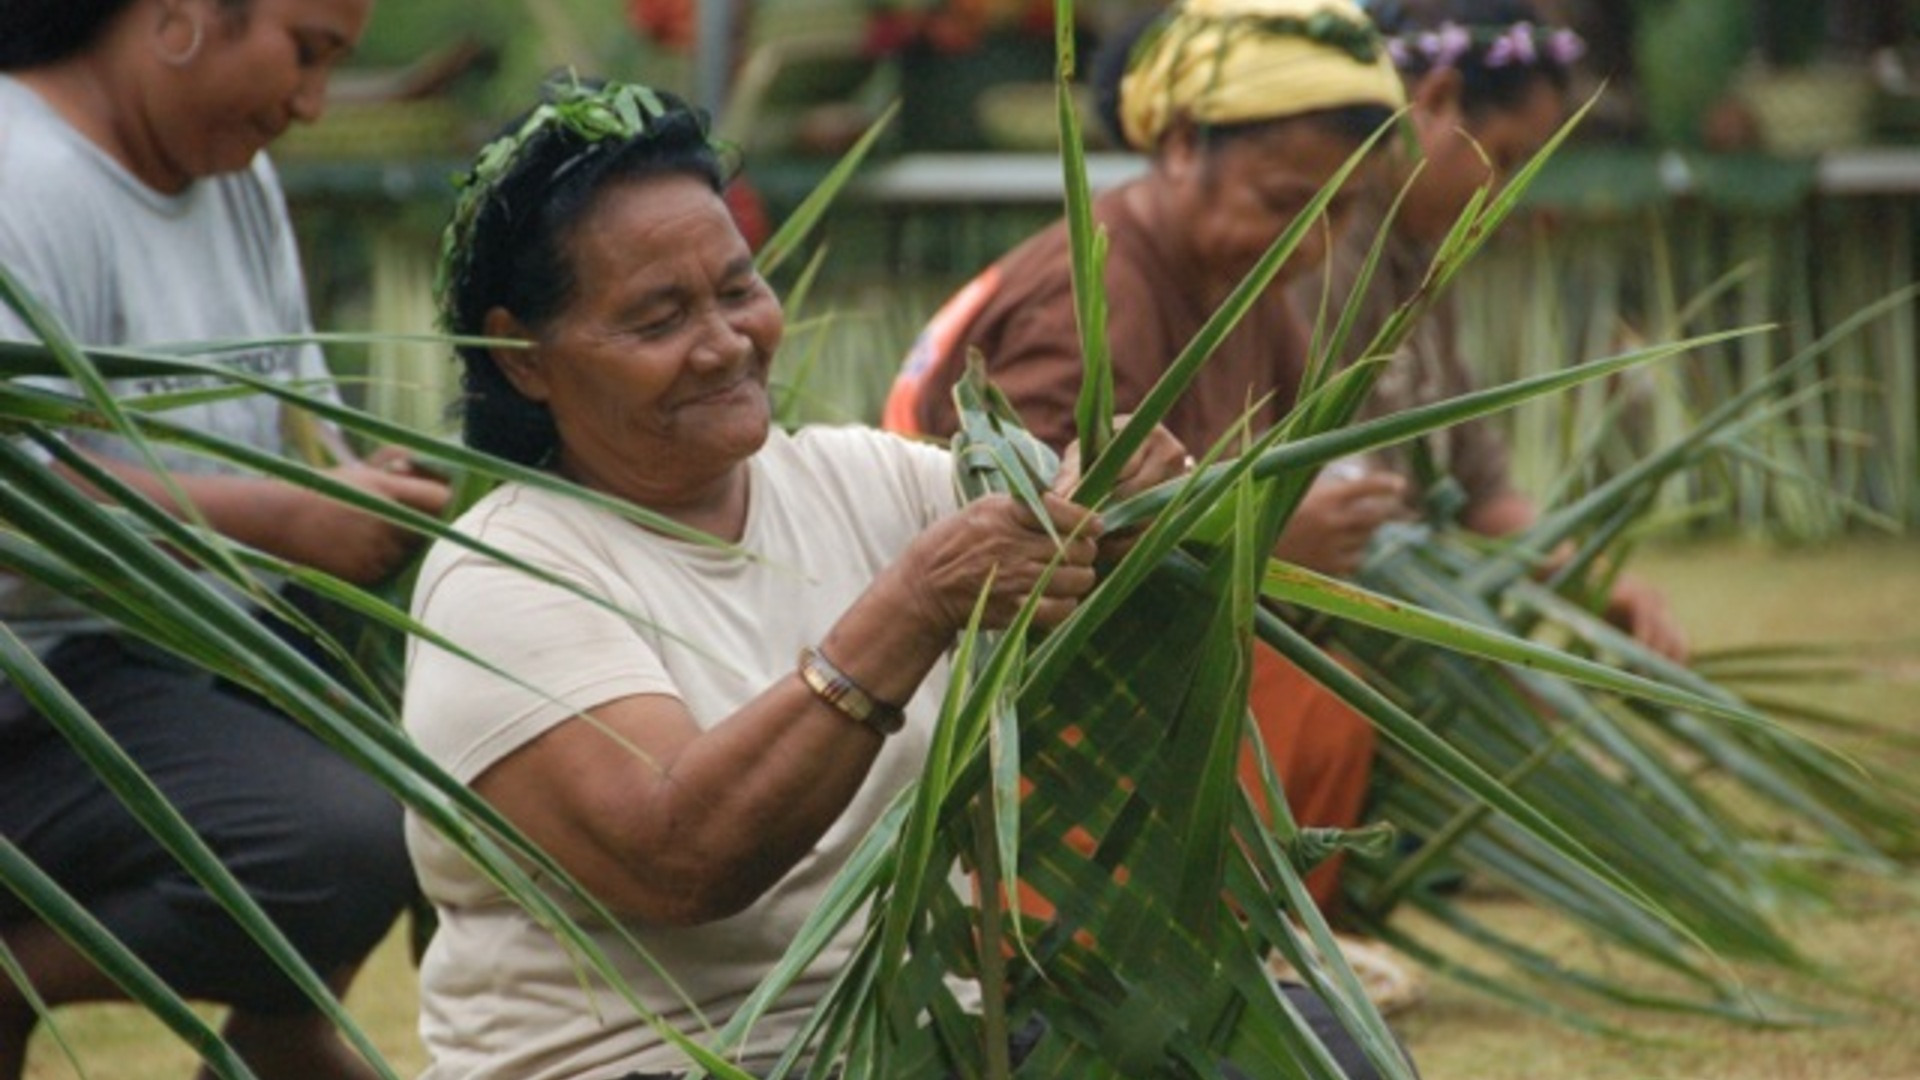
[[1237, 61]]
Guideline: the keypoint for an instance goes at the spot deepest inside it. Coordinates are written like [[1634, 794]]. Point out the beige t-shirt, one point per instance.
[[828, 509]]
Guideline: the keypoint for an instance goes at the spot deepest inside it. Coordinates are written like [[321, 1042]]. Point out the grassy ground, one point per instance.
[[1871, 941], [1733, 595], [1728, 594], [120, 1042]]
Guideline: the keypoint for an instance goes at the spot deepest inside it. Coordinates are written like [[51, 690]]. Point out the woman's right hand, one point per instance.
[[331, 536], [998, 544], [1337, 517]]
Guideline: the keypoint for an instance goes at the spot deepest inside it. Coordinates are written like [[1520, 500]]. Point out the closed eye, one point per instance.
[[740, 280], [319, 49], [659, 327]]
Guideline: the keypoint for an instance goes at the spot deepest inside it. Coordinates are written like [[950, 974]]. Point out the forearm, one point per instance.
[[714, 810], [742, 805], [296, 524], [711, 815], [802, 756], [249, 509]]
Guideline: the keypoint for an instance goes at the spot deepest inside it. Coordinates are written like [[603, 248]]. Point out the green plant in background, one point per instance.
[[1669, 791], [1128, 719], [1736, 818], [1834, 446], [1685, 55], [528, 37]]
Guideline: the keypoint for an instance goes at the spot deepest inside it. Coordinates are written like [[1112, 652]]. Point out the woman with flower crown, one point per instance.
[[1486, 88]]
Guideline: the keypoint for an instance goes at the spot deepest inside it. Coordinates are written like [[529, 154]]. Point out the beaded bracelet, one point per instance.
[[849, 698]]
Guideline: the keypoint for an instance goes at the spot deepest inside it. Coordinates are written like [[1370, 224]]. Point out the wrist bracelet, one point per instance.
[[849, 698]]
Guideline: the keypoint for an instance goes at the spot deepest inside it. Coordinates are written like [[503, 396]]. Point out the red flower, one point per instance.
[[670, 23], [953, 26]]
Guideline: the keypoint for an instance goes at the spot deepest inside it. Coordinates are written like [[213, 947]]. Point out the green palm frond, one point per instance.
[[44, 897], [144, 800], [1668, 787], [1093, 412], [786, 240], [1653, 782]]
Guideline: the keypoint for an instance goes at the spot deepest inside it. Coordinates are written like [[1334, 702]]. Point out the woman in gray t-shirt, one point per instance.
[[135, 202]]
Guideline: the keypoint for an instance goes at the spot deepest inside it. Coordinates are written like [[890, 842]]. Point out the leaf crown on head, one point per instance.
[[590, 114]]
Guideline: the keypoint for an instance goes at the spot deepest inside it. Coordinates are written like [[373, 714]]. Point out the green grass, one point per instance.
[[121, 1042], [1727, 594], [1733, 594], [1871, 940]]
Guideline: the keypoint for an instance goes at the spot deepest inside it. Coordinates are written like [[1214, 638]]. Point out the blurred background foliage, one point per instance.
[[526, 38], [1777, 141]]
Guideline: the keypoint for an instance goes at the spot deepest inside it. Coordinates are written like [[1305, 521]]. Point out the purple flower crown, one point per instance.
[[1521, 44]]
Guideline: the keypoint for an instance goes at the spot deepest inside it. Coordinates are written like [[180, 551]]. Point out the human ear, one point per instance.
[[520, 366], [1181, 148], [1437, 100]]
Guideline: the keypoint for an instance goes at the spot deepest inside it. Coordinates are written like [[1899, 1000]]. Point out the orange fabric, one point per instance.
[[1321, 749], [941, 335]]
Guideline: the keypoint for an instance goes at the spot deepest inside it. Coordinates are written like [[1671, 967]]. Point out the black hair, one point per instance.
[[1108, 69], [1483, 87], [517, 255], [40, 32], [43, 31]]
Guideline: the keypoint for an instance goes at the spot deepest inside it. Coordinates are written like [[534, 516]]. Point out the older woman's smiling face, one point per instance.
[[656, 370]]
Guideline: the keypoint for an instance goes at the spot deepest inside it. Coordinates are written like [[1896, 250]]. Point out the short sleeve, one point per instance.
[[540, 654]]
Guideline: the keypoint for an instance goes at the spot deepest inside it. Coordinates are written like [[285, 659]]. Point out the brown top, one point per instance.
[[1427, 368], [1019, 314]]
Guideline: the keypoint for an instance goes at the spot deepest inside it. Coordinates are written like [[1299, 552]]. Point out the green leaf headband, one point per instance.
[[1357, 39], [597, 114]]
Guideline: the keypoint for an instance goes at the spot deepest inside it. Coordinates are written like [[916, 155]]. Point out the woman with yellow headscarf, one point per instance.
[[1246, 109]]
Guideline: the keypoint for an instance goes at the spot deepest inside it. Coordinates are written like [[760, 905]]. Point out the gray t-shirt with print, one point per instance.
[[118, 263]]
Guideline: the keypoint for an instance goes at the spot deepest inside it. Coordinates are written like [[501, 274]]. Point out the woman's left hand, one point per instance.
[[1162, 457], [1640, 610]]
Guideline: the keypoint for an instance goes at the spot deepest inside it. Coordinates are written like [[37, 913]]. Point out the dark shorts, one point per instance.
[[312, 839]]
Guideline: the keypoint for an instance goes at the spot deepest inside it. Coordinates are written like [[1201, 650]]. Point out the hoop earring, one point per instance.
[[190, 53]]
